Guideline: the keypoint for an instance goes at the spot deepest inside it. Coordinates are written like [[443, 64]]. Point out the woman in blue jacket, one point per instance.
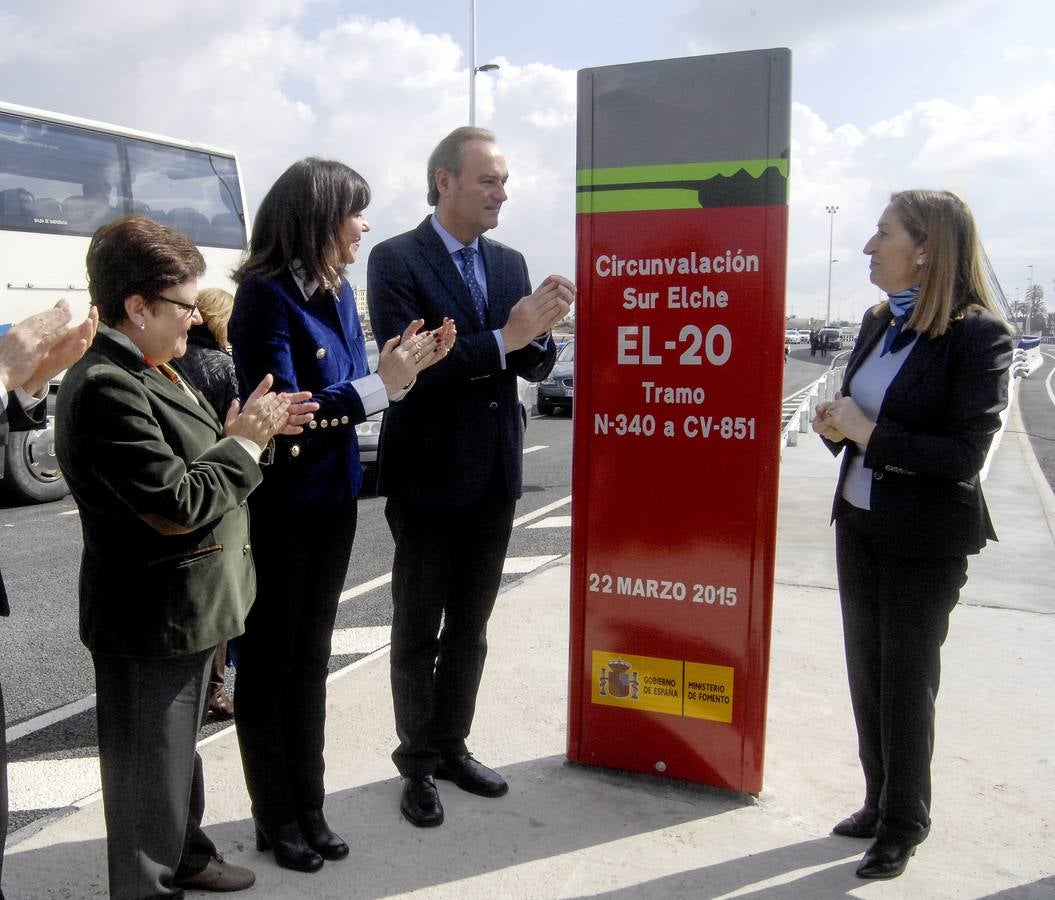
[[295, 317]]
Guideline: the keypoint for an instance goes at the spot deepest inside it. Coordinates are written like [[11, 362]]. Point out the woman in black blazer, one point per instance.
[[920, 403]]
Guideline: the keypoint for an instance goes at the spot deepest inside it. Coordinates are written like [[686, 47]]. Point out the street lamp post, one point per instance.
[[473, 68], [831, 210], [1029, 300]]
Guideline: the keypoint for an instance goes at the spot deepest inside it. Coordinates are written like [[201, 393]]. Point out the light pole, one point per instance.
[[831, 210], [473, 68], [1029, 300]]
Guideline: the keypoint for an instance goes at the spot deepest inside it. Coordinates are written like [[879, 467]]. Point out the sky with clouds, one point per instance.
[[956, 94]]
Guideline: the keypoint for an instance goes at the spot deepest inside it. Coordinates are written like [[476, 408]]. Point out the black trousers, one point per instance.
[[895, 620], [446, 572], [148, 713], [301, 556]]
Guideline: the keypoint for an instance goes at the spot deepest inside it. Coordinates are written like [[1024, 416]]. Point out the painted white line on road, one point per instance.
[[553, 522], [541, 511], [382, 580], [1047, 384], [521, 565], [528, 450], [50, 718], [51, 783], [348, 641], [365, 587], [70, 512]]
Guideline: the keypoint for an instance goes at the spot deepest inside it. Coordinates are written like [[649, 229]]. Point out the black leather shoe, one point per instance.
[[420, 802], [290, 849], [319, 837], [472, 776], [861, 824], [885, 859]]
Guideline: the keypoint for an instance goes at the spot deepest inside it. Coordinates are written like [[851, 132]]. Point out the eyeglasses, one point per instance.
[[188, 307]]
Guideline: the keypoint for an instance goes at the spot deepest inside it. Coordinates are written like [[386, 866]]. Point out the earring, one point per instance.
[[142, 326], [919, 262]]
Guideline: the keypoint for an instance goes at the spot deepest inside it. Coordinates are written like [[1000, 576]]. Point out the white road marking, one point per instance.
[[520, 565], [50, 718], [349, 641], [541, 511], [528, 450], [365, 587], [52, 783], [553, 522]]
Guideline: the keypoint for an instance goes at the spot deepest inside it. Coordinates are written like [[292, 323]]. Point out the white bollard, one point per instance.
[[793, 437], [804, 422]]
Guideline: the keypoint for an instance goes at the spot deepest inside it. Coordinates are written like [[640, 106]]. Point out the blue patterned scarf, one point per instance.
[[901, 305]]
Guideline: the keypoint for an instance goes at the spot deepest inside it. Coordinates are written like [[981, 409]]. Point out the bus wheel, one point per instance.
[[31, 470]]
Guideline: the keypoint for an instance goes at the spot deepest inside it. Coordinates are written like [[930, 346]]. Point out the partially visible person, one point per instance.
[[31, 354], [295, 316], [813, 342], [450, 507], [919, 406], [208, 365], [167, 568]]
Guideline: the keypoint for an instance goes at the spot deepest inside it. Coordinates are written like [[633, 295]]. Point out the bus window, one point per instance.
[[190, 190], [57, 179]]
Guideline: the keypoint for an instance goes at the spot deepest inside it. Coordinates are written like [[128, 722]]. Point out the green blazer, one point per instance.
[[167, 568]]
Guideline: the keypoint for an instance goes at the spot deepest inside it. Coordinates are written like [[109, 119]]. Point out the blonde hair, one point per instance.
[[215, 305], [951, 277]]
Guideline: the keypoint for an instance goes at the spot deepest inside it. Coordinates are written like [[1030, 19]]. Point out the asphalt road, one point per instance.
[[1036, 400]]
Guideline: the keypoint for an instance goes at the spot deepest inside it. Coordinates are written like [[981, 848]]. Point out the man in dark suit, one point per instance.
[[451, 455], [31, 353]]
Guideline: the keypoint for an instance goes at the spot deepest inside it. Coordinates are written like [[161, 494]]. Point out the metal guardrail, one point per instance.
[[797, 410]]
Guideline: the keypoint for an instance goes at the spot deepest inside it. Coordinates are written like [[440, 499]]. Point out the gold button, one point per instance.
[[294, 451], [334, 422], [320, 353], [344, 420], [245, 549], [313, 424], [323, 423]]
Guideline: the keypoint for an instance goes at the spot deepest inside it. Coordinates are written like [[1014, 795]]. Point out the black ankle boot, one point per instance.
[[287, 843], [319, 836]]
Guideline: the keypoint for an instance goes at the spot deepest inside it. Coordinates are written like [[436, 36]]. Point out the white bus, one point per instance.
[[62, 177]]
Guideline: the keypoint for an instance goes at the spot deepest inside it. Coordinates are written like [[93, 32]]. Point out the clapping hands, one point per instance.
[[266, 414], [403, 357]]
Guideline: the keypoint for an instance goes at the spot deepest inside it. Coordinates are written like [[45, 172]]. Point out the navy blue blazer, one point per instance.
[[14, 418], [932, 434], [458, 432], [308, 345]]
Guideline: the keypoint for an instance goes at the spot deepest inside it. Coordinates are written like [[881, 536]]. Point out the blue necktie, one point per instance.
[[475, 291]]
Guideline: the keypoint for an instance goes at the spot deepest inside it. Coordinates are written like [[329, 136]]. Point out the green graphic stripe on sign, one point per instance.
[[636, 200], [677, 172], [740, 188]]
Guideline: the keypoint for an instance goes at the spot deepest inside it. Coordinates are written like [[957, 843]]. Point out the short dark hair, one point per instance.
[[448, 155], [136, 255], [300, 218]]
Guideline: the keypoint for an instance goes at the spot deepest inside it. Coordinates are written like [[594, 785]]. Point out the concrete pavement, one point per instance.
[[567, 831]]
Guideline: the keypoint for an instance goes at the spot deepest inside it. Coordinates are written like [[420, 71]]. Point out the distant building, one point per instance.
[[360, 307]]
